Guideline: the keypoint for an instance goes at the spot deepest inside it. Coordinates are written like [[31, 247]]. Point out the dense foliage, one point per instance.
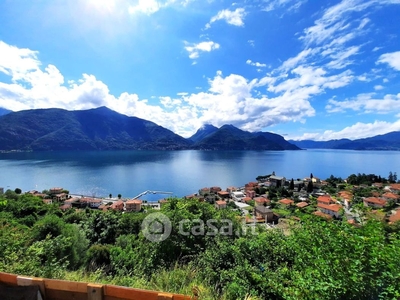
[[316, 259]]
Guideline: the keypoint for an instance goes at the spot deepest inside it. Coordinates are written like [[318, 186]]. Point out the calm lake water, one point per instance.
[[181, 172]]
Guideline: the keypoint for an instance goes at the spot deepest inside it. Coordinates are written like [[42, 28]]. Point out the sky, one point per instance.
[[304, 69]]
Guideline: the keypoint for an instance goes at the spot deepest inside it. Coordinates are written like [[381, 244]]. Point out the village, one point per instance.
[[271, 199]]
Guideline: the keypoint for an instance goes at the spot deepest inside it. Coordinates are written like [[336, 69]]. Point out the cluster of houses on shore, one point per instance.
[[319, 203]]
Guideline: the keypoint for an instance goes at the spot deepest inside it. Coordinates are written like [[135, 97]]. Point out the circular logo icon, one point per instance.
[[156, 227]]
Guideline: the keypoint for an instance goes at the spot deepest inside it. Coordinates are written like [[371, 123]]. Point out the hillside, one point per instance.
[[94, 129], [4, 111], [228, 137], [388, 141], [104, 129]]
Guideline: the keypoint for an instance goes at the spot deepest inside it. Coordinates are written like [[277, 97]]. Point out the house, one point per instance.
[[395, 217], [95, 203], [231, 189], [390, 196], [374, 202], [220, 204], [56, 190], [72, 201], [247, 200], [250, 193], [215, 189], [204, 191], [60, 197], [347, 198], [321, 214], [395, 187], [277, 180], [237, 196], [261, 201], [133, 205], [324, 199], [48, 201], [65, 207], [223, 194], [84, 201], [118, 205], [264, 212], [286, 202], [330, 209], [302, 204]]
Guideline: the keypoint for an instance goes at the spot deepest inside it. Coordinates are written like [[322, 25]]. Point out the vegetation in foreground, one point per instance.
[[318, 259]]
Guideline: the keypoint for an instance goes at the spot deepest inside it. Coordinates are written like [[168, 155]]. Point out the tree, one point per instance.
[[311, 176], [18, 191], [390, 177], [310, 187], [110, 196], [291, 185], [119, 196]]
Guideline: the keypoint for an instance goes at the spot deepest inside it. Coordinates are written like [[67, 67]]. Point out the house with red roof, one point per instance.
[[330, 209], [286, 202], [220, 204], [133, 205], [325, 199], [302, 204], [375, 202]]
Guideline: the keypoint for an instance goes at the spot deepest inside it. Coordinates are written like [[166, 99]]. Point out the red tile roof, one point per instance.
[[325, 199], [390, 196], [302, 204], [395, 217], [321, 214], [286, 201], [332, 207], [220, 202], [375, 200]]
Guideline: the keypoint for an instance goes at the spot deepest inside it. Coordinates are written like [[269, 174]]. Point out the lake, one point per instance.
[[129, 173]]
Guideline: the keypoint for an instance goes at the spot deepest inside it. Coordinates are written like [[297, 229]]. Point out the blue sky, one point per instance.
[[303, 69]]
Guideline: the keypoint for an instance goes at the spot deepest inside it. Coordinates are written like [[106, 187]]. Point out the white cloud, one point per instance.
[[194, 50], [366, 103], [255, 64], [270, 5], [231, 17], [356, 131], [378, 87], [149, 7], [392, 59]]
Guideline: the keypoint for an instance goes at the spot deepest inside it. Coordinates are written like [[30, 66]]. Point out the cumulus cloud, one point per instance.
[[194, 50], [392, 59], [235, 17], [353, 132], [366, 103], [255, 64]]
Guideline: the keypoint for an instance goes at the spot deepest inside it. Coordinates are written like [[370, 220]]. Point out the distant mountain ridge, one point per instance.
[[93, 129], [229, 137], [104, 129], [4, 111], [388, 141]]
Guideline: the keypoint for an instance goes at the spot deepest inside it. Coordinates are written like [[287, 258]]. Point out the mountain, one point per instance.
[[203, 132], [4, 111], [277, 139], [388, 141], [93, 129], [229, 137]]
